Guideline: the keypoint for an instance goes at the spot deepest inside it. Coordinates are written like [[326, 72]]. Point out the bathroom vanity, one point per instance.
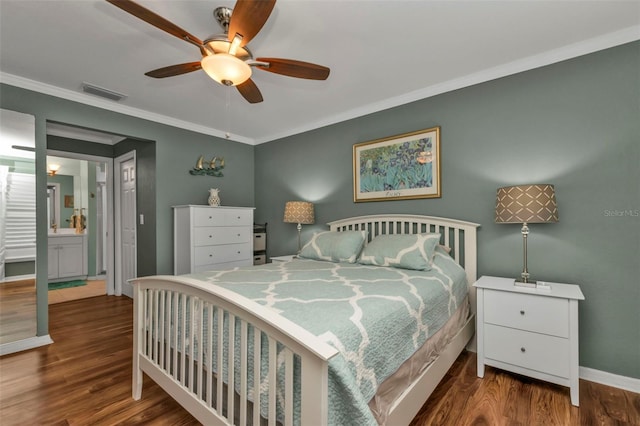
[[67, 255]]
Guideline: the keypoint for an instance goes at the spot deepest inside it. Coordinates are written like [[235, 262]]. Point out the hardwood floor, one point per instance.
[[92, 289], [502, 398], [17, 310], [18, 305], [85, 378]]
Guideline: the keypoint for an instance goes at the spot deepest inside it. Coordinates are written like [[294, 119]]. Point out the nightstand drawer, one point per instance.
[[540, 314], [539, 352]]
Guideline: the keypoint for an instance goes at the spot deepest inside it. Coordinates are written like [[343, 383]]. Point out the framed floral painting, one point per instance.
[[399, 167]]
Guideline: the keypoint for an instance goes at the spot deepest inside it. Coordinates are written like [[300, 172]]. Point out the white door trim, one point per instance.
[[131, 155], [110, 219]]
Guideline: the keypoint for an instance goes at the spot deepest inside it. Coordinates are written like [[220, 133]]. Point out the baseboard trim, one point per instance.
[[24, 344], [18, 278], [610, 379]]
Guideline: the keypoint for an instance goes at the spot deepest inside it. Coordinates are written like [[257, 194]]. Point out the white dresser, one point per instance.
[[529, 331], [206, 238]]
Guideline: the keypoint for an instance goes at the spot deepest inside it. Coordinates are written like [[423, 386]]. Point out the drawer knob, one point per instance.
[[521, 312], [210, 236], [210, 255], [523, 350], [238, 252]]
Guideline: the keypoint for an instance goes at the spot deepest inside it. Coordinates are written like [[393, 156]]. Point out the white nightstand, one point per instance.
[[529, 331], [286, 258]]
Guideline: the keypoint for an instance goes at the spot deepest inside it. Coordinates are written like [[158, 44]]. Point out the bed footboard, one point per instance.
[[224, 358]]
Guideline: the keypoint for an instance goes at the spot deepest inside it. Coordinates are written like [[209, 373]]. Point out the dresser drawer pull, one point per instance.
[[521, 312], [210, 236], [523, 350]]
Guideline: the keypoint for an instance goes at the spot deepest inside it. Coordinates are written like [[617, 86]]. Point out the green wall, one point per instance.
[[176, 151], [575, 124]]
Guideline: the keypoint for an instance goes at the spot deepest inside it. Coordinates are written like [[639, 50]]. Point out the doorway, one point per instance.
[[78, 209]]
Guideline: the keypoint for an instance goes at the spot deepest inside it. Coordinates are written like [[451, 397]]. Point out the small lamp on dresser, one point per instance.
[[526, 204], [300, 212]]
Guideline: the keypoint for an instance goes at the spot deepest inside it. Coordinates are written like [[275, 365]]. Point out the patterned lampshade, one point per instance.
[[299, 212], [526, 204]]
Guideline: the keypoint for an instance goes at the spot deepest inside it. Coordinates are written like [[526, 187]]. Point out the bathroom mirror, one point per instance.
[[17, 227], [66, 191]]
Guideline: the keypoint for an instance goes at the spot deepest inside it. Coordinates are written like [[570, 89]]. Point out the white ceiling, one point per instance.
[[381, 54]]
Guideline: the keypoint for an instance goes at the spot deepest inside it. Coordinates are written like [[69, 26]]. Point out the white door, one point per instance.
[[127, 223]]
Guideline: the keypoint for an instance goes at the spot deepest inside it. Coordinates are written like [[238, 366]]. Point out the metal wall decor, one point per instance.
[[211, 168]]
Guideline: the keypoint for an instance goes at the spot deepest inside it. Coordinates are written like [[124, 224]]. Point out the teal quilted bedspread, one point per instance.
[[376, 317]]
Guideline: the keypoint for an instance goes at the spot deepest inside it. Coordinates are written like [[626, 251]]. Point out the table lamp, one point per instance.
[[300, 212], [526, 204]]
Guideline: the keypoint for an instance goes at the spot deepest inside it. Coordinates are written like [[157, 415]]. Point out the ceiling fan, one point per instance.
[[225, 57]]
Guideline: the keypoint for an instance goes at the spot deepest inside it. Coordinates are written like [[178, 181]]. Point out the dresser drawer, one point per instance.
[[216, 235], [540, 314], [222, 217], [221, 266], [539, 352], [220, 254]]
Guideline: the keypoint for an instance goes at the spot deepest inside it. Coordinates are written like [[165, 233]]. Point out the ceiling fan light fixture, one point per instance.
[[226, 69]]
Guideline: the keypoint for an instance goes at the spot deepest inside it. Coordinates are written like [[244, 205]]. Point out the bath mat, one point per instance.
[[66, 284]]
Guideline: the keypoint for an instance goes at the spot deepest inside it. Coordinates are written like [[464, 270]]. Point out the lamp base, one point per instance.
[[530, 284], [540, 285]]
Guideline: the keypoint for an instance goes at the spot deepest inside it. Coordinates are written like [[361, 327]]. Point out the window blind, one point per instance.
[[20, 217]]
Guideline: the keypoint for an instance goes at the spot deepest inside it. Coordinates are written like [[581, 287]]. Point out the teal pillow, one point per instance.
[[334, 246], [406, 251]]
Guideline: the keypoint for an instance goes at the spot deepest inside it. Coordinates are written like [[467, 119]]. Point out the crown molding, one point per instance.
[[70, 95], [547, 58]]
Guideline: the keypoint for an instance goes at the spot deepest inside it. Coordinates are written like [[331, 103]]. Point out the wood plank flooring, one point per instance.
[[92, 289], [84, 378], [17, 310]]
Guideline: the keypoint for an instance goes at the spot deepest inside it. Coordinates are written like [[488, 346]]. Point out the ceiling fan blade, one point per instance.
[[294, 68], [172, 70], [250, 92], [156, 20], [248, 18]]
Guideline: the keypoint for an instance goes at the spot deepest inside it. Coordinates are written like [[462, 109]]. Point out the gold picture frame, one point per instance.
[[400, 167]]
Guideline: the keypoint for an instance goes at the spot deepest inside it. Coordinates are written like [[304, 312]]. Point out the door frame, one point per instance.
[[131, 155], [110, 275]]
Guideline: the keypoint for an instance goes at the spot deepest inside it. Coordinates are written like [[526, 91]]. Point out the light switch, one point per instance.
[[141, 219]]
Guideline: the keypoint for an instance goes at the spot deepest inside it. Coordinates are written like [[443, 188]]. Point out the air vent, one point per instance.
[[102, 92]]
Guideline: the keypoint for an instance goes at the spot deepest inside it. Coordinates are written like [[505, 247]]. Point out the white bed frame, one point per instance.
[[156, 302]]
